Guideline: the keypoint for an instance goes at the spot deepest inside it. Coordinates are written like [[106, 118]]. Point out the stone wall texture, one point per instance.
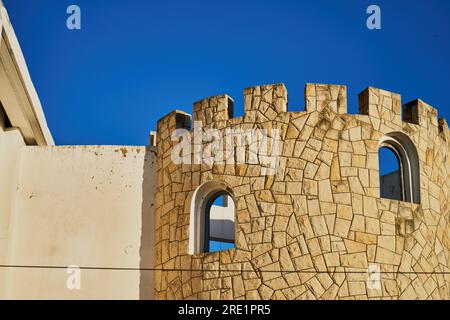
[[311, 230]]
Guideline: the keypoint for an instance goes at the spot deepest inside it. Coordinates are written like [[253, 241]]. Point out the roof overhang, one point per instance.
[[17, 93]]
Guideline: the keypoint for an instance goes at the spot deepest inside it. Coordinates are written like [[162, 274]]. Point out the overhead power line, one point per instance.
[[213, 270]]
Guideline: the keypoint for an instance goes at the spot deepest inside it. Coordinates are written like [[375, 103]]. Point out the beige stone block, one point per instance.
[[304, 262], [258, 224], [345, 159], [340, 186], [345, 146], [372, 226], [358, 223], [365, 238], [371, 251], [252, 284], [387, 229], [342, 227], [323, 172], [344, 212], [279, 239], [285, 210], [280, 223], [330, 145], [316, 288], [359, 147], [252, 206], [349, 172], [293, 229], [355, 134], [419, 289], [330, 221], [301, 243], [387, 257], [355, 185], [292, 132], [313, 207], [343, 290], [282, 199], [293, 187], [295, 175], [354, 260], [332, 259], [372, 161], [325, 157], [430, 285], [264, 195], [309, 154], [305, 226], [390, 288], [279, 188], [310, 170], [319, 225], [296, 163], [269, 272], [331, 293], [342, 198], [265, 292], [408, 294], [335, 172], [358, 161], [338, 246], [387, 242], [325, 193], [295, 250], [325, 280], [357, 288], [354, 247], [285, 260], [310, 187], [370, 207], [327, 208]]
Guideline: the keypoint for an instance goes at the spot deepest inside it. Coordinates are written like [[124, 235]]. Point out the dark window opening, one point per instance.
[[219, 223], [391, 185]]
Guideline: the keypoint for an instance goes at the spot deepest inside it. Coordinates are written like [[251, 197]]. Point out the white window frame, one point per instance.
[[200, 203], [406, 152]]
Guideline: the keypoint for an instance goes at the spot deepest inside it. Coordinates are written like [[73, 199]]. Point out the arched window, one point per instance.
[[219, 226], [212, 219], [399, 168]]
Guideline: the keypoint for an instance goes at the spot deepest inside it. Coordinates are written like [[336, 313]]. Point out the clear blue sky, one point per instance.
[[136, 60]]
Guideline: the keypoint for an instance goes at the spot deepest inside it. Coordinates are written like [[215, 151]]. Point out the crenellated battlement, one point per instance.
[[381, 104], [266, 103], [217, 109], [321, 96]]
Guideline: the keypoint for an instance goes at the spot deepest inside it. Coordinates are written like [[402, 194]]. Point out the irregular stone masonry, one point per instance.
[[312, 230]]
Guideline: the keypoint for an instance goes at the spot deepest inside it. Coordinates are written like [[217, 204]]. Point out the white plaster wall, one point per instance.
[[85, 206], [10, 144]]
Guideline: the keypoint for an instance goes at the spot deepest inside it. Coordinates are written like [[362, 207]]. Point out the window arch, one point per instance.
[[399, 168], [212, 218]]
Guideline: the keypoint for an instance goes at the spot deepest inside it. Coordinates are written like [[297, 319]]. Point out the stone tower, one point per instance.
[[316, 227]]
